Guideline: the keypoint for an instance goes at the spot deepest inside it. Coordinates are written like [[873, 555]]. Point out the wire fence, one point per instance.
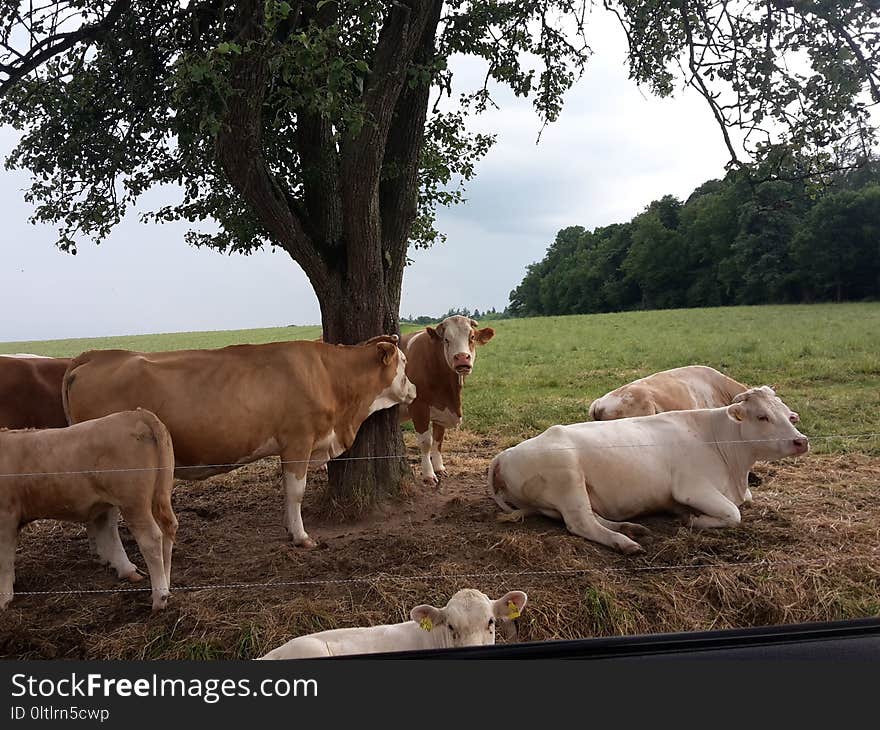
[[482, 575], [389, 577], [238, 464]]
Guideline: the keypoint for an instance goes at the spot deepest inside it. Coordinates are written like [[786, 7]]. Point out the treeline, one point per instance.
[[464, 311], [733, 241]]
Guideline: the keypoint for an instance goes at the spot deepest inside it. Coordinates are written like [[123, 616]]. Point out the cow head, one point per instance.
[[470, 618], [459, 337], [400, 390], [767, 422]]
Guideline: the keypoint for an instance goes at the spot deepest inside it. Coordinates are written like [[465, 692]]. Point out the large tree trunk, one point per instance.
[[350, 228], [374, 468]]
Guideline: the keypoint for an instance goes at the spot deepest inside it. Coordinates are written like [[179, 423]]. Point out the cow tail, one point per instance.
[[163, 513], [497, 485], [67, 381]]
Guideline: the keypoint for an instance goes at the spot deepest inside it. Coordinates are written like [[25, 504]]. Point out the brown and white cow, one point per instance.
[[593, 475], [302, 401], [438, 360], [90, 473], [678, 389], [30, 391]]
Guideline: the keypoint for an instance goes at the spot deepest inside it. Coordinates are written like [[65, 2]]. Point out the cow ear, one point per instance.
[[432, 333], [387, 351], [427, 616], [484, 335], [736, 412], [510, 605]]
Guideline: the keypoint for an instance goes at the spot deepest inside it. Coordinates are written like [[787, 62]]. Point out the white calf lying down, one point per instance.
[[89, 473], [469, 619], [689, 462]]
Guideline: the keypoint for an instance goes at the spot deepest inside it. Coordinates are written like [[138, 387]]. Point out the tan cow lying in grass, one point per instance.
[[595, 474], [469, 618], [89, 473], [679, 389]]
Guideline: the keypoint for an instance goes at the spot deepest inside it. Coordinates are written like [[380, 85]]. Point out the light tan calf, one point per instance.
[[679, 389], [90, 473]]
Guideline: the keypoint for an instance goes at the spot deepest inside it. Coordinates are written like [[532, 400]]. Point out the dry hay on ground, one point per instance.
[[807, 547]]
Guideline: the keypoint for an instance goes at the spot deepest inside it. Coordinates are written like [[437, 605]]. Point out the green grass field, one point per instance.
[[823, 359]]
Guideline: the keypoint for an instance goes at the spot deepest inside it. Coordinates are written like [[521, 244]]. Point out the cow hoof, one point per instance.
[[442, 473], [161, 603], [307, 543], [632, 530], [630, 548], [4, 603], [135, 576], [430, 481]]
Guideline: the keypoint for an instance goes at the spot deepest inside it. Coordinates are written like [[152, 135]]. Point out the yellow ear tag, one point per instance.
[[512, 610], [426, 623]]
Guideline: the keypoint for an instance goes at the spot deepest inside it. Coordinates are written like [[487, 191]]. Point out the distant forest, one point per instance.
[[733, 241]]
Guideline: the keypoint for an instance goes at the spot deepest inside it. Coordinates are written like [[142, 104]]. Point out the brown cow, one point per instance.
[[90, 473], [439, 358], [302, 401], [30, 391]]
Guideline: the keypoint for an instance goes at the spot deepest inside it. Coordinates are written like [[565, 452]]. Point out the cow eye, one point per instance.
[[763, 418]]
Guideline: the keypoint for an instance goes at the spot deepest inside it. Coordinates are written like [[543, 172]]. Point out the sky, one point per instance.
[[614, 149]]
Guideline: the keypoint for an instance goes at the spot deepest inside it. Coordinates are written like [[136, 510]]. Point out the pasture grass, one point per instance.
[[823, 359]]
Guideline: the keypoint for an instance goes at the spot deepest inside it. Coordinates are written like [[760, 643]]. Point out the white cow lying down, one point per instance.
[[469, 619], [692, 462]]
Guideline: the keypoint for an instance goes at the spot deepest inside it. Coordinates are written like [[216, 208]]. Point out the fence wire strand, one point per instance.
[[502, 574], [236, 465]]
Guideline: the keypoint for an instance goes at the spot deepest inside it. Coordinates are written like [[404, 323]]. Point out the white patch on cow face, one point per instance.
[[459, 338], [470, 618], [769, 423], [401, 391]]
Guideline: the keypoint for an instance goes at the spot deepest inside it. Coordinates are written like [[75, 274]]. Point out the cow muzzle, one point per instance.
[[462, 363], [801, 445]]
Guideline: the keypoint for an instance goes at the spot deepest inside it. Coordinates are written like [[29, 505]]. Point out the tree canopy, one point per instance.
[[731, 242], [116, 96]]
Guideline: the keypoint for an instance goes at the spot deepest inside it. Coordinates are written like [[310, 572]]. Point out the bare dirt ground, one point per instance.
[[807, 550]]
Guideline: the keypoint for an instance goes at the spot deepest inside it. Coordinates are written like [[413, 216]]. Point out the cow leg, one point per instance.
[[715, 510], [747, 497], [295, 489], [149, 539], [103, 534], [577, 512], [8, 542], [422, 421], [630, 529], [436, 456]]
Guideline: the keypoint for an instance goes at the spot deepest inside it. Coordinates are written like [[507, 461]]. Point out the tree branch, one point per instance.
[[53, 45], [399, 189], [240, 150]]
